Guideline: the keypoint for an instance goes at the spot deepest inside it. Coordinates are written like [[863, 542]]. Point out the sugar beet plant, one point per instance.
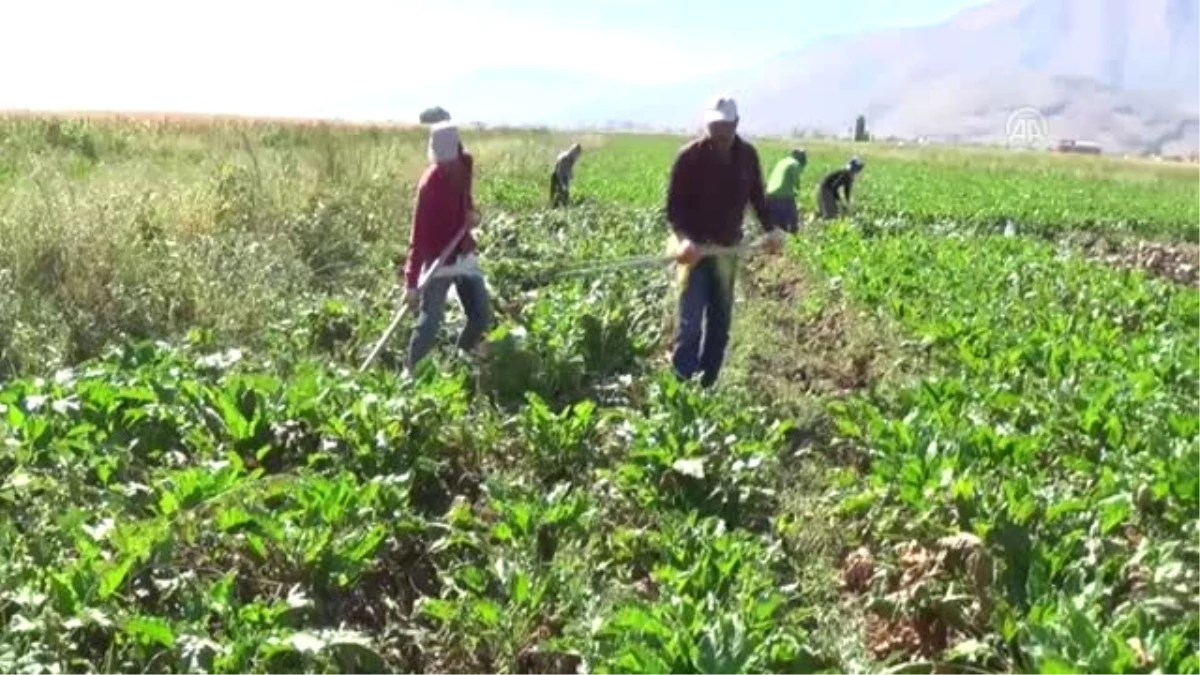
[[184, 510], [194, 478], [1058, 433]]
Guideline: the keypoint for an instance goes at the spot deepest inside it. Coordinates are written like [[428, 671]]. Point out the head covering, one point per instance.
[[855, 164], [444, 143], [800, 156], [721, 109]]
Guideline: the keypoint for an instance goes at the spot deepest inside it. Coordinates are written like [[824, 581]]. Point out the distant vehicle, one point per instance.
[[1082, 147]]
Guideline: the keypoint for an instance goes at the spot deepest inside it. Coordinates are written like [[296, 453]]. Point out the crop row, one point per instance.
[[185, 509], [1042, 194], [1056, 435], [1029, 502], [112, 231]]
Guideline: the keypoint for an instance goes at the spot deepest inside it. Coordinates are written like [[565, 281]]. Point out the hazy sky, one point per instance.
[[371, 58]]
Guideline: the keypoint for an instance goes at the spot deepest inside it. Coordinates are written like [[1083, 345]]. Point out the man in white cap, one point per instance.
[[445, 207], [713, 179]]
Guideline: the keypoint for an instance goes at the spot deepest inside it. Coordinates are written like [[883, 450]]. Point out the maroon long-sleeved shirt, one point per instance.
[[443, 204], [708, 195]]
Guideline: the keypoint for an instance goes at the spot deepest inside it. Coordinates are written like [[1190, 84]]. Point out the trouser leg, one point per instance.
[[689, 322], [558, 191], [473, 293], [828, 204], [718, 318], [432, 309]]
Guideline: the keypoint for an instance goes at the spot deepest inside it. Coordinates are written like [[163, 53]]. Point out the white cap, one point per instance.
[[721, 109], [443, 142]]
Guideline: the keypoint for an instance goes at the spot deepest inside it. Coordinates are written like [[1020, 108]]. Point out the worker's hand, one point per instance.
[[773, 242], [411, 298], [474, 218], [687, 253]]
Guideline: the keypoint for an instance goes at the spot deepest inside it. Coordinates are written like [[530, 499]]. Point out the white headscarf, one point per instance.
[[443, 142]]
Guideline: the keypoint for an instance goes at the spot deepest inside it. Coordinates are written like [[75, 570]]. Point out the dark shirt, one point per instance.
[[708, 195], [842, 179]]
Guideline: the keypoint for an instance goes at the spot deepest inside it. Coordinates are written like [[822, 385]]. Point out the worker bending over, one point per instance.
[[841, 180], [782, 188], [560, 178]]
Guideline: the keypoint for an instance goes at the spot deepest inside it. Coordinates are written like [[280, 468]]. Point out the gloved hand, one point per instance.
[[411, 298]]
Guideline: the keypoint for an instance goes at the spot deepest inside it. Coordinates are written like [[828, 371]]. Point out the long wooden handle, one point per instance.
[[637, 261], [653, 260], [387, 334]]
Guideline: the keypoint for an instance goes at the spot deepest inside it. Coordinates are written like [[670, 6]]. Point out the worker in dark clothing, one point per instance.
[[841, 180], [713, 180], [564, 172]]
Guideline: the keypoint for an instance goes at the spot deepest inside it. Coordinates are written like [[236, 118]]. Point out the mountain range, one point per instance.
[[1124, 74]]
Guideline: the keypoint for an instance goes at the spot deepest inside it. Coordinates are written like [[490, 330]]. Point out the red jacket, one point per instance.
[[443, 202]]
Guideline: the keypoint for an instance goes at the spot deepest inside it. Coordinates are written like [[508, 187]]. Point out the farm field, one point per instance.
[[956, 433]]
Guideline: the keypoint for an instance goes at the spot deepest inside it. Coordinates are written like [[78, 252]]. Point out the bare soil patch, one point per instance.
[[798, 338], [911, 611], [1178, 262]]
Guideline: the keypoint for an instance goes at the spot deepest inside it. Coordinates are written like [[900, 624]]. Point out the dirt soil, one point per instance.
[[802, 341], [917, 570], [1178, 262]]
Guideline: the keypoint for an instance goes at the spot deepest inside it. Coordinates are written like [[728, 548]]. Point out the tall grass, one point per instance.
[[115, 229]]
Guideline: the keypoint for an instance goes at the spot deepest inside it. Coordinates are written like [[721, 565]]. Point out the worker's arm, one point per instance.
[[469, 162], [841, 187], [679, 195], [423, 223], [758, 194]]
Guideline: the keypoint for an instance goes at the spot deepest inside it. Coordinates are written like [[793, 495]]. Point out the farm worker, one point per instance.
[[782, 187], [560, 178], [712, 181], [843, 180], [445, 207]]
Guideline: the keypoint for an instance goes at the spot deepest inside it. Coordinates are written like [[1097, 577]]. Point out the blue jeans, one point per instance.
[[784, 212], [705, 315], [472, 292]]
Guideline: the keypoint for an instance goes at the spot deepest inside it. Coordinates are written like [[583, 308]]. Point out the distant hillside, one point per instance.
[[1124, 73]]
